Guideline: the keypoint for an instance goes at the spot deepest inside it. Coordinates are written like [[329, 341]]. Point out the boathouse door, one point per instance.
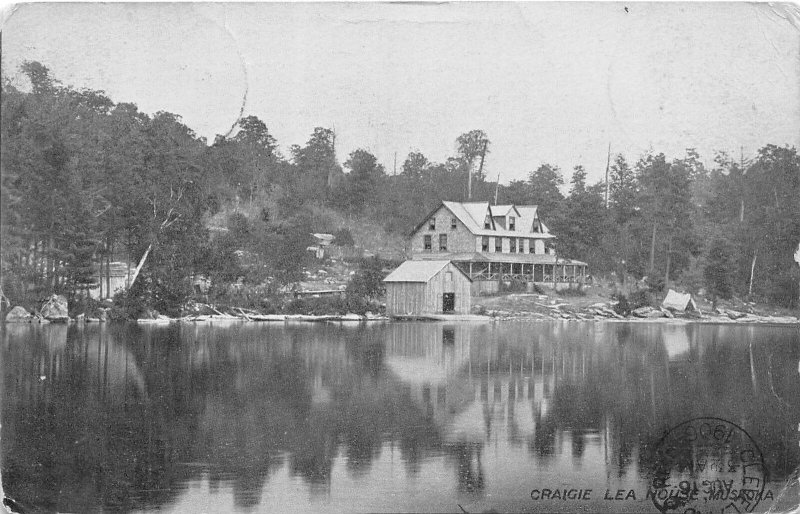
[[448, 302]]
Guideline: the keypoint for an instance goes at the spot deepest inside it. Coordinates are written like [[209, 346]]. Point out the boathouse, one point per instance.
[[427, 287]]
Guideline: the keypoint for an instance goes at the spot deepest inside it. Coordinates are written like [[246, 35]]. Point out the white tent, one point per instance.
[[679, 301]]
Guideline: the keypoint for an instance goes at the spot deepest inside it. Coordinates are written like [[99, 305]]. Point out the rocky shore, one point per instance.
[[520, 306], [56, 310], [543, 307]]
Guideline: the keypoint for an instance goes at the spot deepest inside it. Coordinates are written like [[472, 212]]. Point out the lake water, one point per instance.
[[383, 417]]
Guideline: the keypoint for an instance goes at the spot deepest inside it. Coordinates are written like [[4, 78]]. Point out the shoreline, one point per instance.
[[524, 307], [555, 314], [473, 318]]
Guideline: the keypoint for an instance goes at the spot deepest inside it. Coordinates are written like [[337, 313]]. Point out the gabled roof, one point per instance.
[[416, 271], [528, 215], [324, 238], [473, 214], [528, 211], [503, 210]]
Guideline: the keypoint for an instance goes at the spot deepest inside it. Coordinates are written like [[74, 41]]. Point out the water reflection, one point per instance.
[[402, 416]]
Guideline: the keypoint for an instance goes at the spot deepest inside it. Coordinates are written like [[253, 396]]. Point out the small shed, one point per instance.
[[427, 287], [321, 244]]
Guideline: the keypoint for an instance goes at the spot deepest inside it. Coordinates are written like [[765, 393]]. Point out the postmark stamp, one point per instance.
[[707, 465]]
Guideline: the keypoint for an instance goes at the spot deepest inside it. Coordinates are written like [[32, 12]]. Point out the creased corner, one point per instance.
[[6, 12]]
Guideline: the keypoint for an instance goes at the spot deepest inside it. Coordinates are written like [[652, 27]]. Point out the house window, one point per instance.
[[532, 243], [427, 243], [511, 222], [512, 243], [432, 224], [442, 242], [453, 223], [485, 244], [498, 244], [487, 223], [448, 276]]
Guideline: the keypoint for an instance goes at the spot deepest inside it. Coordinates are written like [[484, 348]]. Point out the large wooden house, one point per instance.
[[493, 244]]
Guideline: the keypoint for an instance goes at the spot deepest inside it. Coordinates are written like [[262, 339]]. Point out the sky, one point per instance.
[[548, 82]]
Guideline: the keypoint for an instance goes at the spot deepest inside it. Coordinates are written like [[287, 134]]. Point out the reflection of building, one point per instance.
[[427, 287], [494, 244], [468, 389]]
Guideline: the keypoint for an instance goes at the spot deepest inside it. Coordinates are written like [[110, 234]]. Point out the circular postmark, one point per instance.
[[707, 465]]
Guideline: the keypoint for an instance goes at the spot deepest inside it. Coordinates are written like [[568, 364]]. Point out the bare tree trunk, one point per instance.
[[52, 279], [669, 261], [469, 181], [139, 266], [608, 165], [35, 263], [741, 211], [752, 272], [653, 251], [108, 270], [483, 156]]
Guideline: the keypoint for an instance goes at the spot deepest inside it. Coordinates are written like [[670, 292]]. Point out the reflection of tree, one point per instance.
[[127, 416], [313, 458], [470, 468], [543, 442], [719, 365], [228, 403], [630, 382], [578, 445]]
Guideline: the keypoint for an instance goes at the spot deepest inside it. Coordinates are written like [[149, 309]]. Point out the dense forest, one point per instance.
[[85, 179]]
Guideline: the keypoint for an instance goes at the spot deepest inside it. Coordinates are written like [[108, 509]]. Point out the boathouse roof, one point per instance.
[[416, 271]]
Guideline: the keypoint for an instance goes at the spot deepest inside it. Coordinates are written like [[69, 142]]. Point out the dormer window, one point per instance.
[[487, 223], [432, 224], [511, 222]]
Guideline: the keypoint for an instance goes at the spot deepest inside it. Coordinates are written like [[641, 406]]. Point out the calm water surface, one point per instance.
[[385, 417]]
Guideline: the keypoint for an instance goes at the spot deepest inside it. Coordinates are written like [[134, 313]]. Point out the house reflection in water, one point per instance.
[[460, 414], [468, 386], [479, 394], [579, 395]]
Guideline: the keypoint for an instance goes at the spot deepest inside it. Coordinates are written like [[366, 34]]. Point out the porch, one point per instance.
[[568, 272]]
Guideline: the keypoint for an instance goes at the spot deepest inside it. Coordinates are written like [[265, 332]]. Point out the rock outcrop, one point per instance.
[[55, 309], [18, 315]]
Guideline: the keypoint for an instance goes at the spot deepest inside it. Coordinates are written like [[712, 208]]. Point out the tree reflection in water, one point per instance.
[[128, 417]]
